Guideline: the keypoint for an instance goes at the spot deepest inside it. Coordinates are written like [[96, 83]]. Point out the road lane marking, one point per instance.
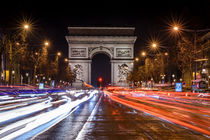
[[82, 131]]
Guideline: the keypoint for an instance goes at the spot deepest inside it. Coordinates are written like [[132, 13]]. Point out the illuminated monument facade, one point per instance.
[[115, 42]]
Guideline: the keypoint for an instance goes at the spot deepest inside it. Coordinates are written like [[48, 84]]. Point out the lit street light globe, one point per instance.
[[154, 45], [136, 59], [66, 60], [17, 43], [46, 43], [143, 54], [175, 28], [59, 53], [26, 26]]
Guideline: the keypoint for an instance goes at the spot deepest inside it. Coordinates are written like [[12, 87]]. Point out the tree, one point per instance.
[[187, 54]]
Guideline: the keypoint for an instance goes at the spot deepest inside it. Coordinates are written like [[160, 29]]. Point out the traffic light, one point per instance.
[[100, 79]]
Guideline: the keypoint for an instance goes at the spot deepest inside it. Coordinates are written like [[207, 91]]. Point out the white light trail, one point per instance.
[[18, 100], [12, 114], [42, 121]]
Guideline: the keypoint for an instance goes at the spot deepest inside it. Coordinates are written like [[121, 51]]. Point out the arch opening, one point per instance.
[[100, 68]]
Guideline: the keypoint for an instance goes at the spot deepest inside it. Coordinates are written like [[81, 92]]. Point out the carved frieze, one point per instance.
[[123, 52], [78, 52]]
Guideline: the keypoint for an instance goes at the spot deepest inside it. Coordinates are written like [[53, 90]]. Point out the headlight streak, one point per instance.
[[39, 123], [6, 97], [17, 100], [9, 115], [18, 105]]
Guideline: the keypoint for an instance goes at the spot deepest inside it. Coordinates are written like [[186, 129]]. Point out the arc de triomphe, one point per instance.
[[116, 42]]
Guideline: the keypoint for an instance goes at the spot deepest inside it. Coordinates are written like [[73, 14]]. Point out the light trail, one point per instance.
[[12, 114], [32, 126], [190, 112]]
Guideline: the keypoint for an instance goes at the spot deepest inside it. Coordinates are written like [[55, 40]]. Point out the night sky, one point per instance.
[[150, 18]]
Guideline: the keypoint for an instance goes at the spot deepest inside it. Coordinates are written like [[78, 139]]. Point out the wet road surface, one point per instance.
[[100, 118]]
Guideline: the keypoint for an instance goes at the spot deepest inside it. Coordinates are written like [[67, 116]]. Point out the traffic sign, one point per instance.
[[178, 87]]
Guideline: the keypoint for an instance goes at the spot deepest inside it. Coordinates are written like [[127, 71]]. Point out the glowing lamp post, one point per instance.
[[26, 26], [143, 54], [175, 28], [154, 45]]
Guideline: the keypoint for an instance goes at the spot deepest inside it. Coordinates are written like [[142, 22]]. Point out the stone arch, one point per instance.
[[100, 50], [115, 42]]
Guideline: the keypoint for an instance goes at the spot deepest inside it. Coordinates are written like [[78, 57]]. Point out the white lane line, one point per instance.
[[54, 123], [90, 118]]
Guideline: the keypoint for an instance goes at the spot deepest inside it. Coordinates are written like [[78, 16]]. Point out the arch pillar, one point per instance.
[[119, 71]]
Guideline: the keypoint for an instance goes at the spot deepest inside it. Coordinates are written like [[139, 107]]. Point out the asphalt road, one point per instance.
[[100, 118]]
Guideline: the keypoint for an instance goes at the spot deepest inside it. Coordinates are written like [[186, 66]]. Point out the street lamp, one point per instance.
[[26, 26], [143, 53], [46, 43], [175, 28], [154, 45], [59, 54], [173, 75], [136, 59], [66, 59]]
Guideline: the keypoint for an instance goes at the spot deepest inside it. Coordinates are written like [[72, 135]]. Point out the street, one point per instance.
[[102, 118]]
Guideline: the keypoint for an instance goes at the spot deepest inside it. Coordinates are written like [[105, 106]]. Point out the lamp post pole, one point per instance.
[[195, 42]]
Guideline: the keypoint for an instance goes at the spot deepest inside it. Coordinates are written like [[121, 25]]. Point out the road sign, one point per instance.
[[178, 87], [41, 85]]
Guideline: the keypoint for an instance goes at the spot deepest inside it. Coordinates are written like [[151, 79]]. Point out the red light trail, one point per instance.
[[183, 108]]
